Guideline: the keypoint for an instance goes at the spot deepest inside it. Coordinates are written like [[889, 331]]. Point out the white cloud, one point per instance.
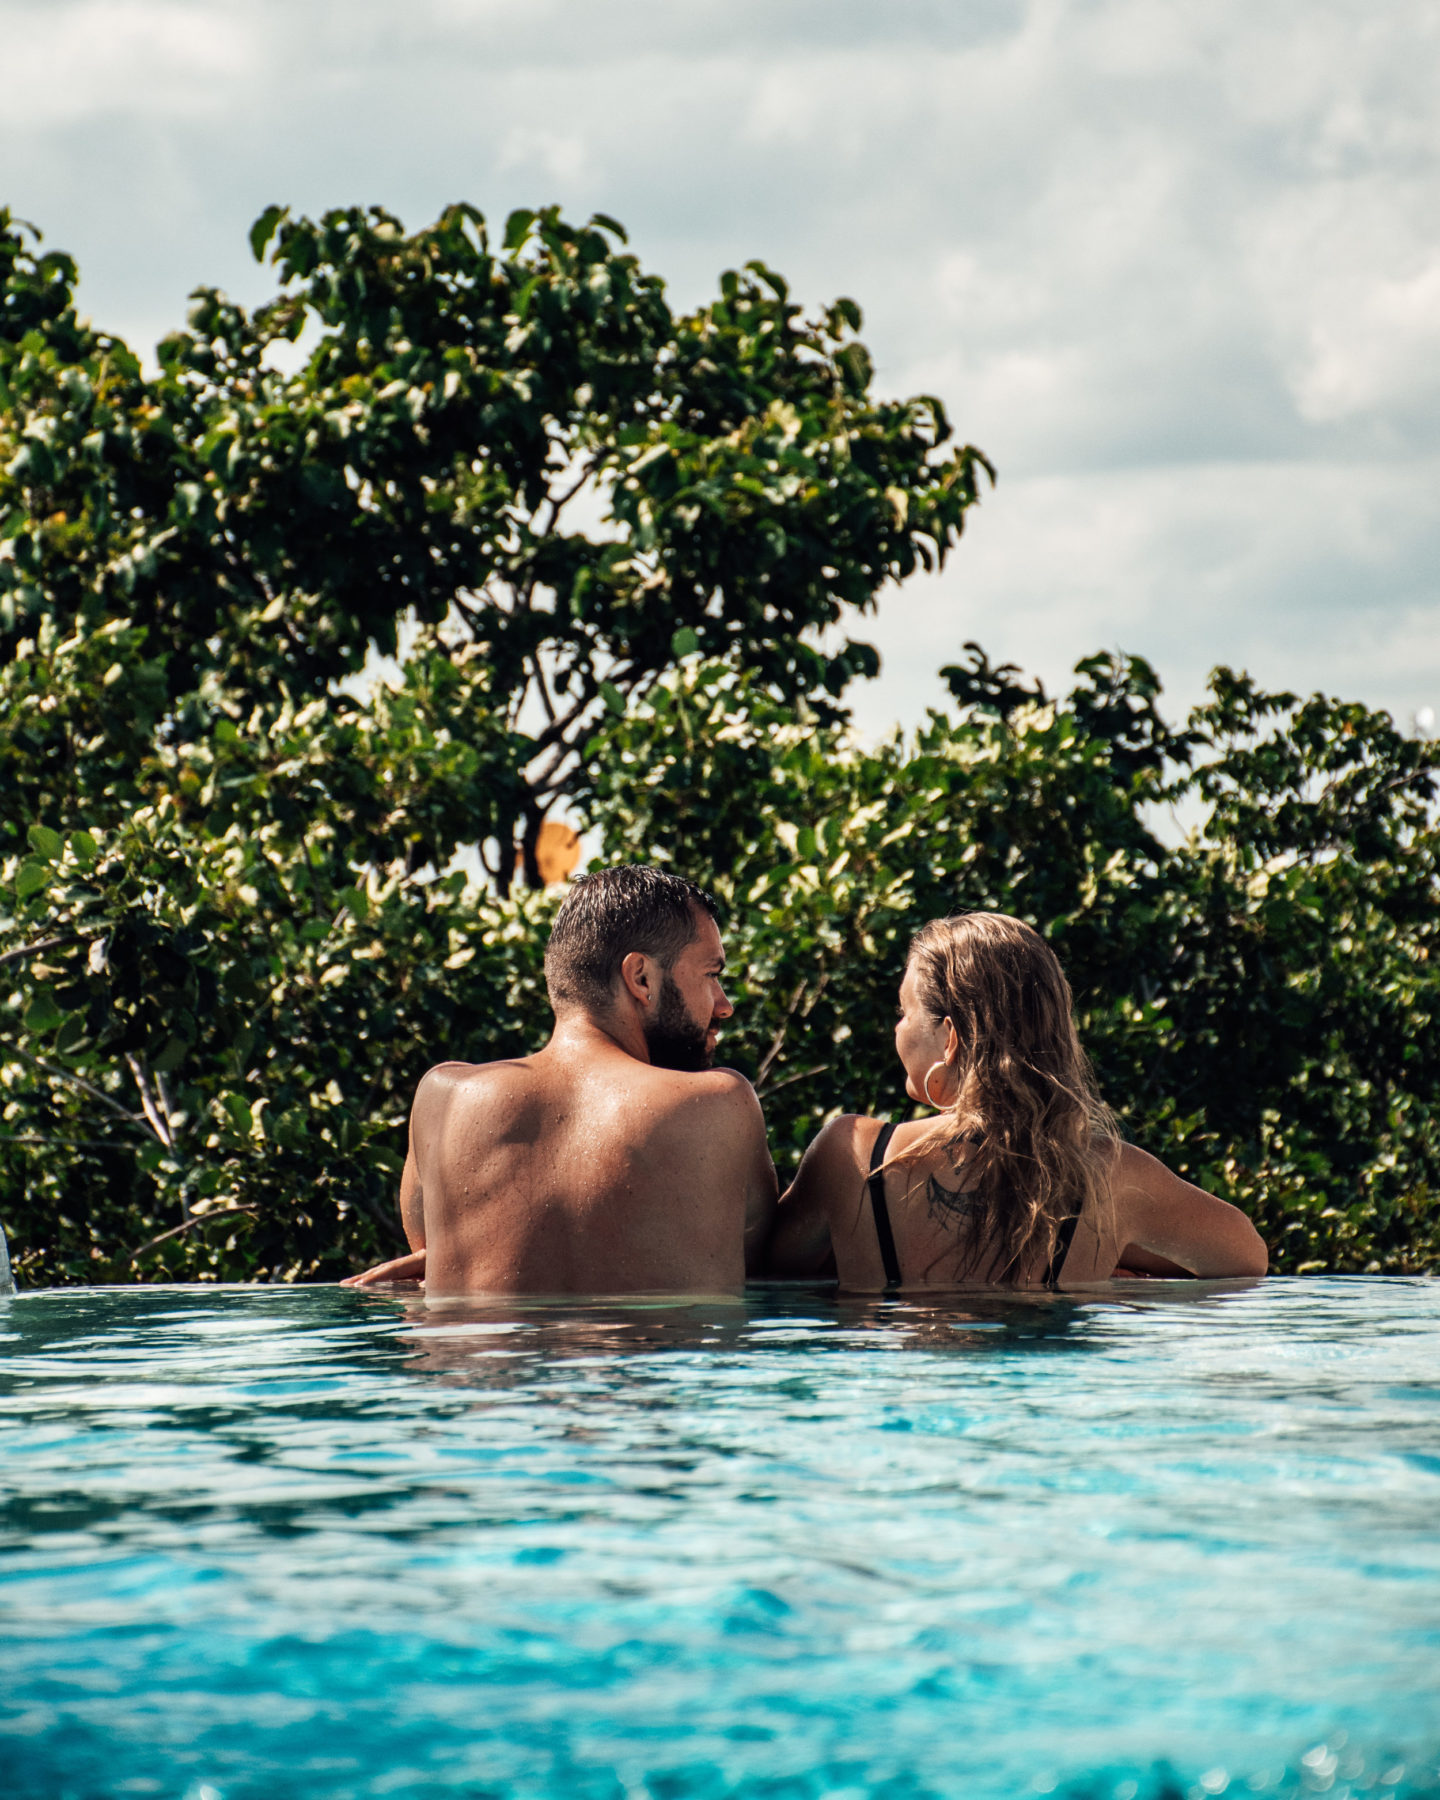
[[1177, 268], [555, 155], [68, 62], [1135, 559], [1371, 345]]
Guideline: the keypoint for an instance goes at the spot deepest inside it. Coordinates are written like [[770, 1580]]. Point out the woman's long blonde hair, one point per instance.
[[1037, 1141]]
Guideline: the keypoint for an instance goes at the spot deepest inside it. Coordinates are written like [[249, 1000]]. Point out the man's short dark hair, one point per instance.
[[608, 914]]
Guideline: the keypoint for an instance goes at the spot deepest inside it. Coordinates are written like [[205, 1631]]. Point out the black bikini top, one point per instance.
[[881, 1210], [886, 1237]]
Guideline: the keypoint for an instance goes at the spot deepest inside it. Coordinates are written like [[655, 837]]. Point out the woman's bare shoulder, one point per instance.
[[848, 1137], [838, 1151]]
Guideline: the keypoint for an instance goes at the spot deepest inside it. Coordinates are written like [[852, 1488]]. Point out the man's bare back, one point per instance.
[[587, 1168], [582, 1170]]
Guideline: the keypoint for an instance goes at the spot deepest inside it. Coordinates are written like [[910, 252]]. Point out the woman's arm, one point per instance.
[[800, 1246], [1168, 1226]]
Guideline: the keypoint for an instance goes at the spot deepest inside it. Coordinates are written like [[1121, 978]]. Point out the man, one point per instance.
[[616, 1159]]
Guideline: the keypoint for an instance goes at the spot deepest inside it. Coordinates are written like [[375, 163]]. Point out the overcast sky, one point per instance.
[[1174, 264]]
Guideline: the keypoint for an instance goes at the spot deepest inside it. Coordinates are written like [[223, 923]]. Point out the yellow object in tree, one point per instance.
[[557, 850]]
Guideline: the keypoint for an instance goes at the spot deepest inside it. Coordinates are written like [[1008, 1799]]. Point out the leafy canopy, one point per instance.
[[609, 540], [519, 451]]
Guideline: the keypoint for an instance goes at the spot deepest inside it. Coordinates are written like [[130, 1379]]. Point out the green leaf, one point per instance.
[[42, 1014], [684, 642], [32, 877], [517, 228], [855, 362], [46, 843], [613, 698], [83, 847], [265, 228], [524, 297], [238, 1108], [355, 901], [171, 1057]]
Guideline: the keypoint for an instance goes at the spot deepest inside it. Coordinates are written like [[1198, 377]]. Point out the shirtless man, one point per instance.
[[617, 1159]]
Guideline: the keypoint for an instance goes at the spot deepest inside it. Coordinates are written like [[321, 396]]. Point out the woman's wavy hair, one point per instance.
[[1041, 1143]]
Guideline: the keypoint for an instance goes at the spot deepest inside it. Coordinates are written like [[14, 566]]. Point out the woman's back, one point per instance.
[[1151, 1223], [1021, 1177]]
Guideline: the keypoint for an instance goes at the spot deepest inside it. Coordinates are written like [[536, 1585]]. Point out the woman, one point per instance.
[[1021, 1179]]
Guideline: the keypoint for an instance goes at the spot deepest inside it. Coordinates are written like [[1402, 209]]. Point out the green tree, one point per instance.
[[610, 538], [403, 435], [229, 945], [1261, 999]]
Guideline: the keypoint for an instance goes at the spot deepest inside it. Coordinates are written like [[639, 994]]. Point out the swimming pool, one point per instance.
[[271, 1542]]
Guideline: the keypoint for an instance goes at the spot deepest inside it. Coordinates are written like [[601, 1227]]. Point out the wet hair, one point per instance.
[[608, 914], [1038, 1142]]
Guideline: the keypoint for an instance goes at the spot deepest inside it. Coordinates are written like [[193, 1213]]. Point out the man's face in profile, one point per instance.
[[685, 1026]]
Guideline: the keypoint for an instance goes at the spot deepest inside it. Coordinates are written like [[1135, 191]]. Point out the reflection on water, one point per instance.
[[466, 1338], [1177, 1540], [463, 1337]]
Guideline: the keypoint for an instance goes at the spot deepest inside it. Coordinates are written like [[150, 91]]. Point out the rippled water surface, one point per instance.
[[308, 1542]]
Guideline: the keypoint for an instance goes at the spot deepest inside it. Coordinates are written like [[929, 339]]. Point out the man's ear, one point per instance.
[[640, 977]]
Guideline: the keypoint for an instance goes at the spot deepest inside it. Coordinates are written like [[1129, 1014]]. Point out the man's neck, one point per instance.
[[581, 1033]]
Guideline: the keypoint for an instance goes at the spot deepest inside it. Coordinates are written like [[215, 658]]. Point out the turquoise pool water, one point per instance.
[[307, 1542]]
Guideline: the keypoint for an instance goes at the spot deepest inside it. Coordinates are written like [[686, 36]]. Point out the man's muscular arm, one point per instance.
[[747, 1124], [412, 1204]]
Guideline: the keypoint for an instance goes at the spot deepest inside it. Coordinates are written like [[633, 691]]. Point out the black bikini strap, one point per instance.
[[1063, 1239], [881, 1211]]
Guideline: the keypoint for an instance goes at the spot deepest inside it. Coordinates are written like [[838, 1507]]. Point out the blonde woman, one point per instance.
[[1020, 1178]]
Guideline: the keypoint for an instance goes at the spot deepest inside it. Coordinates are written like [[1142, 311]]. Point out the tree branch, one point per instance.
[[777, 1042], [65, 937], [152, 1101], [558, 506], [544, 688], [800, 1075], [57, 1074], [556, 732], [224, 1212]]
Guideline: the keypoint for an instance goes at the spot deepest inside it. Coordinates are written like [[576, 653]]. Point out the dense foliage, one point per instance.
[[229, 940], [401, 439], [230, 943], [1261, 997]]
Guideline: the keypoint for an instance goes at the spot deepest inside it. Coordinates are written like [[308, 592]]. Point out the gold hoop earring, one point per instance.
[[925, 1084]]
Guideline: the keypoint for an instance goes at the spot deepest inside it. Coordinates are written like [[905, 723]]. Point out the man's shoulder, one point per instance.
[[703, 1087], [719, 1084], [467, 1071], [451, 1080], [728, 1082], [709, 1100]]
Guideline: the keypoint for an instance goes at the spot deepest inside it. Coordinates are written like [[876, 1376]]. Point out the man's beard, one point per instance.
[[673, 1038]]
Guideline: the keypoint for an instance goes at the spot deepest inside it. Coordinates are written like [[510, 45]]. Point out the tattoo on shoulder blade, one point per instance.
[[948, 1205]]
